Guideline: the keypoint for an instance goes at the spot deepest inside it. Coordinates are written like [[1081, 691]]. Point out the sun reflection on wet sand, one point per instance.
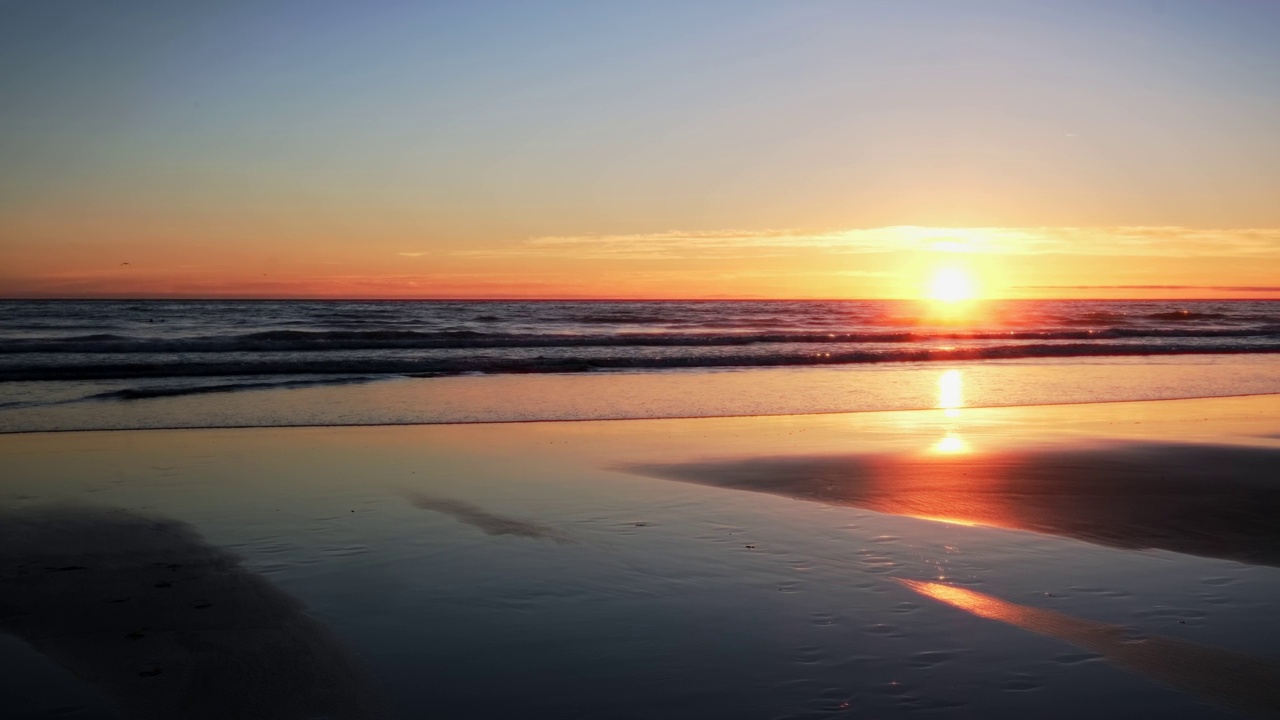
[[948, 520], [952, 444], [1215, 501], [1239, 681]]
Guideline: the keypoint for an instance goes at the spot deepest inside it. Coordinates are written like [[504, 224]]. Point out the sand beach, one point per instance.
[[1116, 559]]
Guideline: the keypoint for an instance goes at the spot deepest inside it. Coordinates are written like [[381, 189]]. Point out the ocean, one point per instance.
[[84, 361]]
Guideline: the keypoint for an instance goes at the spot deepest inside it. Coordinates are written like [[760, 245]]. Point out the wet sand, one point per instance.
[[1116, 560], [1210, 500], [166, 625], [1239, 681]]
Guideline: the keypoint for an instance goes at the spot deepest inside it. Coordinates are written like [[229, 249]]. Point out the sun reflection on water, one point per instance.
[[951, 392], [950, 400]]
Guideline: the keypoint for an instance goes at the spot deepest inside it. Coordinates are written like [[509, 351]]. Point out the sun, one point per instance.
[[950, 285]]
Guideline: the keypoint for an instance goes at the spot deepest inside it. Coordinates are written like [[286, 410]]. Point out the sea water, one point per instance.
[[135, 364]]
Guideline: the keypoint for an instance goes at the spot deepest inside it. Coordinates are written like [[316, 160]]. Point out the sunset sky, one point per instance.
[[311, 148]]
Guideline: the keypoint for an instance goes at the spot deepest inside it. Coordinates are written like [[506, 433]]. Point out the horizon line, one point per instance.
[[303, 298]]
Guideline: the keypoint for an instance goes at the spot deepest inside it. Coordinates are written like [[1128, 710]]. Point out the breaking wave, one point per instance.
[[337, 340], [459, 364]]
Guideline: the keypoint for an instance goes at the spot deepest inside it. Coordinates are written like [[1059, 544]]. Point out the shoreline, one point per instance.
[[754, 392], [634, 419]]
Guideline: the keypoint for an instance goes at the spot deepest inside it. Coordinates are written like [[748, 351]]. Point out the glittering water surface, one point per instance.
[[114, 365]]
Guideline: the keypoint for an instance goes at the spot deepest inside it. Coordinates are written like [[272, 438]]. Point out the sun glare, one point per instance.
[[951, 285]]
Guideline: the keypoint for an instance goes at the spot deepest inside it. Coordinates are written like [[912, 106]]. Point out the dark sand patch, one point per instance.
[[1242, 682], [166, 625], [1208, 500], [487, 522]]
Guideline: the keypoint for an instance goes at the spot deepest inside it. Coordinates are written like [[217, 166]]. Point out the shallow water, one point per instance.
[[491, 570], [267, 402]]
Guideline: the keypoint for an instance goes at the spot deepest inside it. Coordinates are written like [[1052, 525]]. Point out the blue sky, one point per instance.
[[466, 126]]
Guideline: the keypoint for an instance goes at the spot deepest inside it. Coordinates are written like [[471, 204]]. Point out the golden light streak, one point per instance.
[[1232, 679], [948, 520]]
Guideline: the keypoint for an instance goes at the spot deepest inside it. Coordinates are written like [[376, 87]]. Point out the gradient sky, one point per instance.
[[1083, 148]]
